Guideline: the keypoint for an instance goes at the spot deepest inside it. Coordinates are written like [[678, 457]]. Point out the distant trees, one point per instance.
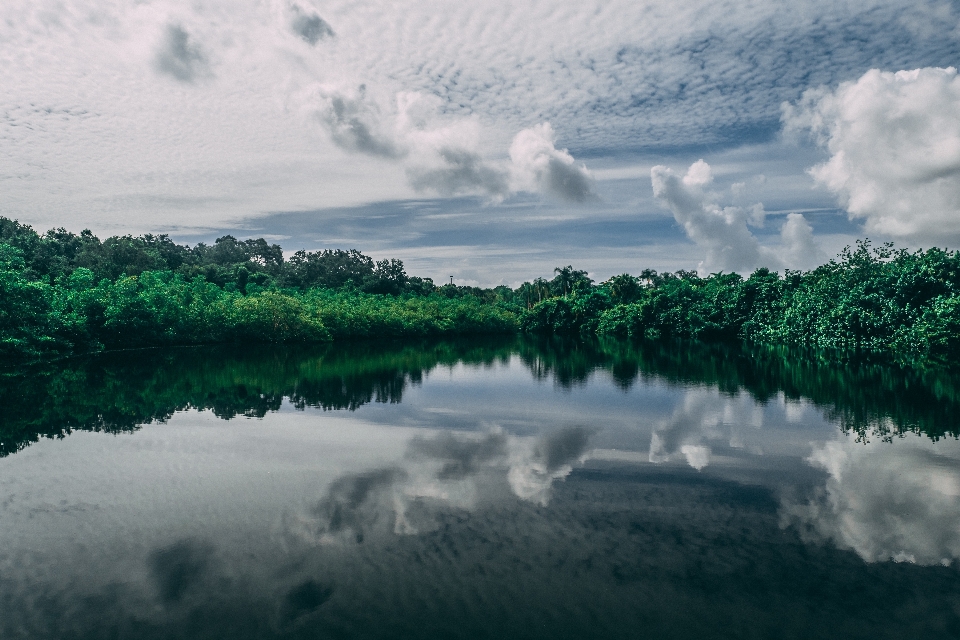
[[66, 293], [871, 300], [228, 262], [569, 280]]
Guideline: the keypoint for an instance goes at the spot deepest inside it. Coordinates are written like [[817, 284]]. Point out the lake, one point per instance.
[[495, 488]]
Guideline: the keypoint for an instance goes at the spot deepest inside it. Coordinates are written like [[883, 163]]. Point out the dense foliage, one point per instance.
[[66, 294], [62, 293], [870, 301]]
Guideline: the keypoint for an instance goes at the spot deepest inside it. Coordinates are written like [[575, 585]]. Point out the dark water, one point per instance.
[[479, 489]]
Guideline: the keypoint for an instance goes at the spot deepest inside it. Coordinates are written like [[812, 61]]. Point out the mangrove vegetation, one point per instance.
[[65, 294]]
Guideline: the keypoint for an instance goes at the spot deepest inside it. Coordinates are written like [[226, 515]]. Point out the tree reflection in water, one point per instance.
[[120, 391], [483, 531]]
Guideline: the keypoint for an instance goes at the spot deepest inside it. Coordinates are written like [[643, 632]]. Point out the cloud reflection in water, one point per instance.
[[703, 417], [450, 471], [895, 500]]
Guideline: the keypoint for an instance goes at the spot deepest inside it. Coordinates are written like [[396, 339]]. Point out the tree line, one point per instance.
[[874, 302], [63, 293]]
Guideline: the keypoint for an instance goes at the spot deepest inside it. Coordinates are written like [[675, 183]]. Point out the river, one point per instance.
[[496, 488]]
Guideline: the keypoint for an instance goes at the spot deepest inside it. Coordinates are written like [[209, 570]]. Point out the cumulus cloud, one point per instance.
[[722, 230], [443, 154], [886, 501], [179, 56], [447, 161], [894, 144], [540, 166], [798, 247]]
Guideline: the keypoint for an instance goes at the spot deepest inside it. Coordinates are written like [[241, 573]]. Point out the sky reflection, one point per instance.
[[479, 489]]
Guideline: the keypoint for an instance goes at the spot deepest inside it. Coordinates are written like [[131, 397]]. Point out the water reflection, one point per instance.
[[120, 392], [887, 501], [449, 471], [705, 415], [479, 489]]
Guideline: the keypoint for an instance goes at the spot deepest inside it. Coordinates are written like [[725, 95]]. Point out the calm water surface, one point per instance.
[[496, 489]]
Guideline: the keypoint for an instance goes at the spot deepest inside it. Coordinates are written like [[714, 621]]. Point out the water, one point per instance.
[[478, 489]]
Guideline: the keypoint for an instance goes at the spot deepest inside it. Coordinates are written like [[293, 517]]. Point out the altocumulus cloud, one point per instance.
[[894, 144], [611, 78]]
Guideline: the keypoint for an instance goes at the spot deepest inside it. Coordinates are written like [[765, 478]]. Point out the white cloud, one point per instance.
[[894, 143], [443, 154], [798, 248], [540, 166], [722, 230], [698, 175], [107, 120], [886, 501]]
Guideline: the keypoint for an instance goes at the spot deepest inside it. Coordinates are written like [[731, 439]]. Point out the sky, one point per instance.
[[490, 141]]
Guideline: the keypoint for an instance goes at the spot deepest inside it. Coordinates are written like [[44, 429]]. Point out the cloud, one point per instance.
[[462, 172], [179, 56], [309, 26], [894, 144], [612, 78], [539, 166], [895, 500], [798, 248], [442, 153], [722, 230], [354, 123]]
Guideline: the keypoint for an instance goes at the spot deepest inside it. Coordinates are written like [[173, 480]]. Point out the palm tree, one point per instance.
[[569, 279], [564, 278]]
